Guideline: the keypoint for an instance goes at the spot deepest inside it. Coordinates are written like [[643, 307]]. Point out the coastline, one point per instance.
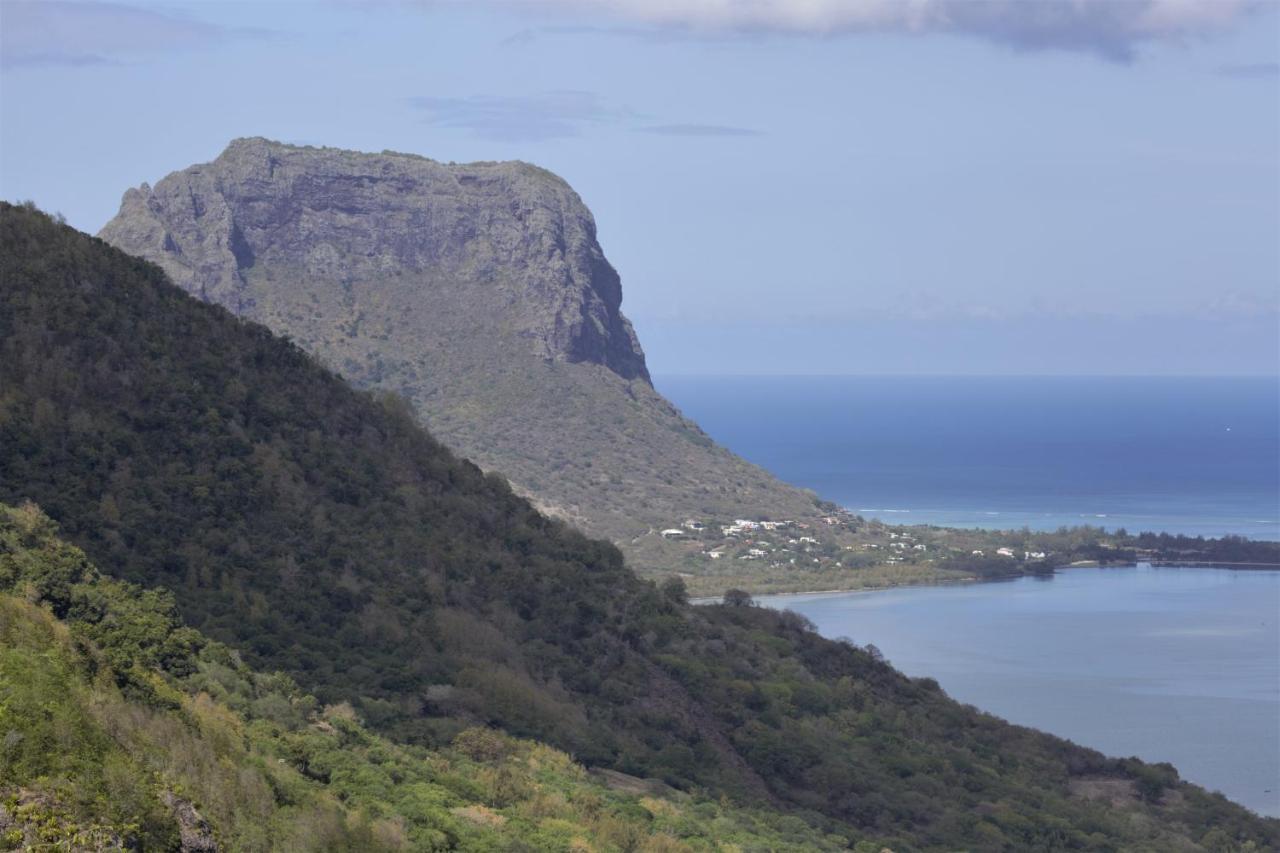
[[974, 579], [700, 600], [960, 637]]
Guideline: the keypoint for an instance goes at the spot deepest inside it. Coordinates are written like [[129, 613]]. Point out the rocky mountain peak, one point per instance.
[[514, 242]]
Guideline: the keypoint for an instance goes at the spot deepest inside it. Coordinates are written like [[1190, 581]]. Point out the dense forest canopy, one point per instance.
[[321, 532]]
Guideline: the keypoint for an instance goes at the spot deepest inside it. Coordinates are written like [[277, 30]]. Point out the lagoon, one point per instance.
[[1179, 665]]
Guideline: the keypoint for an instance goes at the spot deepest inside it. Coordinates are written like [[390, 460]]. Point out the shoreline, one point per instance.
[[974, 579], [1109, 523], [703, 599], [911, 618]]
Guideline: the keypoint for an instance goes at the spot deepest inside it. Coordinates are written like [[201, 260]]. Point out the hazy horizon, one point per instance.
[[1171, 376]]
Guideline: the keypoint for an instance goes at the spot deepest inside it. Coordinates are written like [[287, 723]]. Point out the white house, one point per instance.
[[1005, 552], [673, 533]]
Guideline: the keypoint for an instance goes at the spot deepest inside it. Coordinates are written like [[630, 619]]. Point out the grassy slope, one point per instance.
[[324, 534], [607, 453]]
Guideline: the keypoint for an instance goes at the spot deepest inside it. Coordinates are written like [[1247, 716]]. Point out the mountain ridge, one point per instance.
[[478, 292]]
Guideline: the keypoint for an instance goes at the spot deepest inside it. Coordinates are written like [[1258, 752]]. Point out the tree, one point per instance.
[[674, 590]]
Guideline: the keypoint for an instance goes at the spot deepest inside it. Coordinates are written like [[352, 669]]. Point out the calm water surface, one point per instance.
[[1193, 455], [1177, 665]]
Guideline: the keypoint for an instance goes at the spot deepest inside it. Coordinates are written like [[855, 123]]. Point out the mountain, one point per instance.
[[319, 531], [479, 293]]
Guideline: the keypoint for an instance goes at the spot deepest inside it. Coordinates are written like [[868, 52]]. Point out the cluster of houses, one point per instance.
[[747, 530], [899, 543], [1010, 553], [746, 525], [749, 539], [692, 528]]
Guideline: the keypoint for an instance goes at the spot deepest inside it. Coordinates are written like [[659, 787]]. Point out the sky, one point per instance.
[[785, 186]]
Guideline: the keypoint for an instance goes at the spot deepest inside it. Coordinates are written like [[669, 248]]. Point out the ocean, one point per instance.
[[1192, 455], [1179, 665]]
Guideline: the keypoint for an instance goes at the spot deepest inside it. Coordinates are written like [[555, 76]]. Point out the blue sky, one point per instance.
[[786, 186]]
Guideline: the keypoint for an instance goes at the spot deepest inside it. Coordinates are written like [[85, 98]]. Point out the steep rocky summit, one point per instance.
[[516, 240], [480, 293]]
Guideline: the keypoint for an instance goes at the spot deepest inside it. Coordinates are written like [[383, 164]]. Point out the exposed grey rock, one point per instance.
[[194, 833], [518, 235]]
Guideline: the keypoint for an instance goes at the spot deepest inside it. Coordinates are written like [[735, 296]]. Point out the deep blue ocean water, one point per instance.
[[1199, 456], [1179, 665]]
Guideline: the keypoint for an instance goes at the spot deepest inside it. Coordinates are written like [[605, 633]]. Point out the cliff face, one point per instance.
[[517, 236], [479, 293]]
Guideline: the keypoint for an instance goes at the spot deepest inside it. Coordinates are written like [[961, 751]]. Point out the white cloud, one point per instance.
[[710, 130], [550, 115], [78, 33], [1111, 28], [508, 118]]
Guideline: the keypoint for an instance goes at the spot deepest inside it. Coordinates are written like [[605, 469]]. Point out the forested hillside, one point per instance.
[[321, 532], [123, 727]]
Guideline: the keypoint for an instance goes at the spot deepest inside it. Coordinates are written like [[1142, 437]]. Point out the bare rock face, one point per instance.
[[195, 834], [517, 237], [476, 292]]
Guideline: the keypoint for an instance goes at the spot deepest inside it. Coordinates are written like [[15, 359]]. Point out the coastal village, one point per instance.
[[836, 550], [785, 542]]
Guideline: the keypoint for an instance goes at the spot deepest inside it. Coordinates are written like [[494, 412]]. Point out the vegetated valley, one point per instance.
[[449, 659]]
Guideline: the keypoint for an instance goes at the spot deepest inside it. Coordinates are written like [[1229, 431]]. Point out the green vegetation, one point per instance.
[[767, 581], [122, 727], [320, 532], [1162, 548]]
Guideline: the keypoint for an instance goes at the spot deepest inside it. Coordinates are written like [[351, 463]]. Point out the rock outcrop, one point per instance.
[[479, 293], [520, 237]]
